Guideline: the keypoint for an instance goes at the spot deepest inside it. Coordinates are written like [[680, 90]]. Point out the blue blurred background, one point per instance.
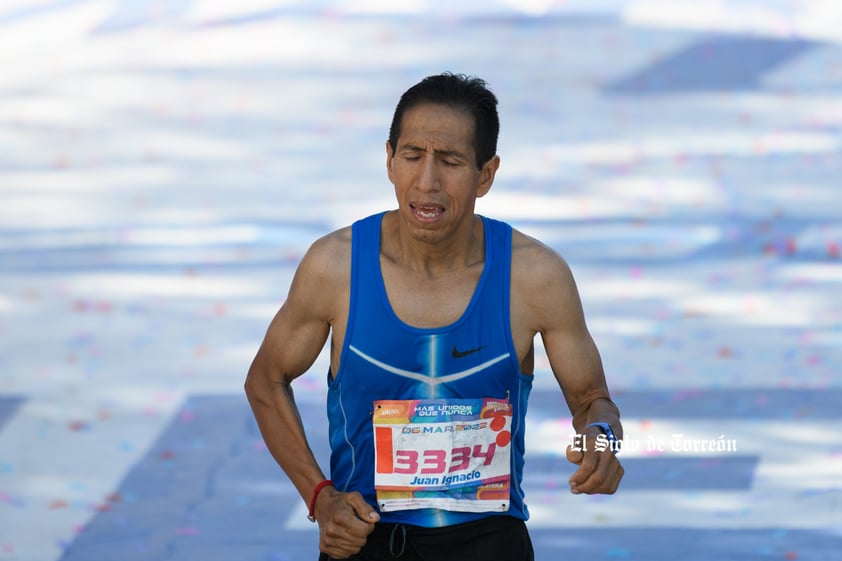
[[165, 164]]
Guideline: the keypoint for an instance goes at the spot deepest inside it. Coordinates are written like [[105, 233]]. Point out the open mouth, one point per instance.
[[427, 211]]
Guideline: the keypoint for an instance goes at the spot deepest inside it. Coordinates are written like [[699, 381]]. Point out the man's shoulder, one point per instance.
[[334, 249], [530, 251], [333, 244], [328, 256], [534, 263]]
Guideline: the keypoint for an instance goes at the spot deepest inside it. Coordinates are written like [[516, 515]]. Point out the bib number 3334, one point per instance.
[[452, 454]]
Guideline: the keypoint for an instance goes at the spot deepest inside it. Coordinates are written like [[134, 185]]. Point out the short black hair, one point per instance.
[[459, 91]]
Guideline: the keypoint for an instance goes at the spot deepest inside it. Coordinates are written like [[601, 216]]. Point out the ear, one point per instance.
[[389, 156], [486, 175]]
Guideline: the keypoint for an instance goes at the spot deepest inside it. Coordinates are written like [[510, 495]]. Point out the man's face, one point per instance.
[[433, 169]]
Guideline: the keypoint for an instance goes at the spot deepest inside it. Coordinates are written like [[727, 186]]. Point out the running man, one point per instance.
[[431, 311]]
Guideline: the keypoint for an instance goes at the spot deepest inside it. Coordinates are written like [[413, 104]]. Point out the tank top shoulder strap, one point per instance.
[[365, 268], [498, 245], [365, 243]]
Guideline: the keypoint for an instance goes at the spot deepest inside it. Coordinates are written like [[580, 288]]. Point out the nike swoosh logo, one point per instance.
[[455, 353]]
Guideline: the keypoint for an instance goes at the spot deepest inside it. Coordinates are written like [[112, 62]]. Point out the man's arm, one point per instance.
[[552, 302], [293, 341]]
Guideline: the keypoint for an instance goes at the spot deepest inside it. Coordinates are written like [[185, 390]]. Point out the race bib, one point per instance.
[[452, 454]]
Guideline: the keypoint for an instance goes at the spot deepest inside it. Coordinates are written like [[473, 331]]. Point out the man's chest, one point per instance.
[[430, 303], [427, 302]]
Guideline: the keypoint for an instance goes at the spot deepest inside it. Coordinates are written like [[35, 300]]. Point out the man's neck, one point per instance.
[[462, 250]]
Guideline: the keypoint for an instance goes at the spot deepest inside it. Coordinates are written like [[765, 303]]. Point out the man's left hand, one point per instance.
[[599, 471]]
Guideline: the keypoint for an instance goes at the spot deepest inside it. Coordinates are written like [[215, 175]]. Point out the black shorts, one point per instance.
[[496, 538]]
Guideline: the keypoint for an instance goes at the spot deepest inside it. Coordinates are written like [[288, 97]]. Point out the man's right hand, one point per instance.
[[345, 521]]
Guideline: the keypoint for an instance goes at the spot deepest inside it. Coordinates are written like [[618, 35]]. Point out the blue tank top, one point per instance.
[[384, 358]]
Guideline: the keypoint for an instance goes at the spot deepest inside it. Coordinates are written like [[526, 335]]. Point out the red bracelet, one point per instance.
[[326, 483]]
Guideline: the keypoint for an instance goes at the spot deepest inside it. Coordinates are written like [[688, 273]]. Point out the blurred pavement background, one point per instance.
[[165, 164]]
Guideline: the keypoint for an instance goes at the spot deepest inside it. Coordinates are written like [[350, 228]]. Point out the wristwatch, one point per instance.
[[614, 442]]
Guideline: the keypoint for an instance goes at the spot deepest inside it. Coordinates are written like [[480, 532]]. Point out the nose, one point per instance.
[[428, 178]]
